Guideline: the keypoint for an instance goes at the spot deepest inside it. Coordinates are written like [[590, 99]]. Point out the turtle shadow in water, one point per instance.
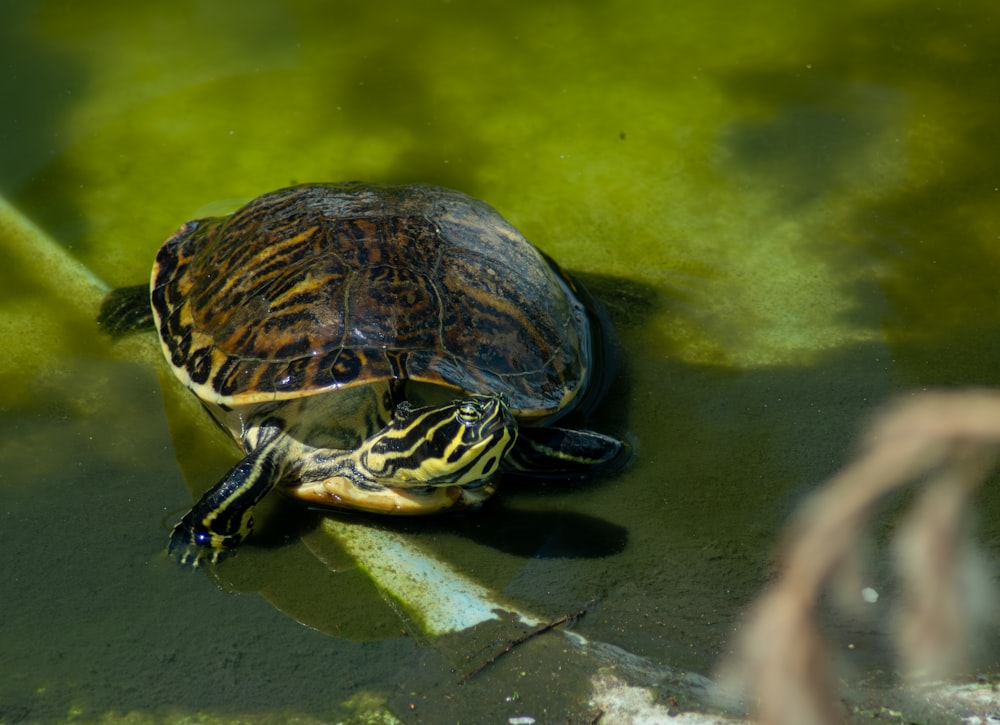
[[530, 534], [620, 307]]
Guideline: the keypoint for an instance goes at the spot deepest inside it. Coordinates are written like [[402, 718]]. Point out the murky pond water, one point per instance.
[[790, 211]]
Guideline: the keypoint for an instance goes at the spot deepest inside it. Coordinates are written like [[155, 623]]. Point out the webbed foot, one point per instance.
[[192, 544]]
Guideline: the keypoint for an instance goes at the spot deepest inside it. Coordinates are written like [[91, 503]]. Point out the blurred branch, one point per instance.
[[949, 442]]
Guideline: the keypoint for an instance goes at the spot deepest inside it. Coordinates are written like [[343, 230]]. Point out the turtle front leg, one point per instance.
[[223, 517], [564, 453]]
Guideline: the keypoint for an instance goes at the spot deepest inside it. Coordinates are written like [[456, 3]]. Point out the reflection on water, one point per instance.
[[809, 198]]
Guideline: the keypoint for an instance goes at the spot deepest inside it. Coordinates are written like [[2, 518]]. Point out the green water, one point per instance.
[[792, 212]]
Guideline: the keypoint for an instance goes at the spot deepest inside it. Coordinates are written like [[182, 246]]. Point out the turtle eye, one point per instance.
[[469, 412]]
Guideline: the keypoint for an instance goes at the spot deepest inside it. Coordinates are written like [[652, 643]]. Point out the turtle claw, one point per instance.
[[193, 547], [193, 556], [189, 554]]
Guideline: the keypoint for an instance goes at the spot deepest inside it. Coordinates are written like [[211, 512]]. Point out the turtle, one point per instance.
[[388, 349]]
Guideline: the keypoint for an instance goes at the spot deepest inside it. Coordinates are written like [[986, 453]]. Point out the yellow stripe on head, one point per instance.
[[459, 443]]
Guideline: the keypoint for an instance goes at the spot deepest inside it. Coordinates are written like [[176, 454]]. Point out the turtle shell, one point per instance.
[[318, 287]]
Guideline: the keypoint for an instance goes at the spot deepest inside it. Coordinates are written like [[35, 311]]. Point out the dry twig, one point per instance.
[[517, 642]]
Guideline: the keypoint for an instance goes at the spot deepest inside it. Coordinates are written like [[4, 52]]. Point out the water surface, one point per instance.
[[789, 210]]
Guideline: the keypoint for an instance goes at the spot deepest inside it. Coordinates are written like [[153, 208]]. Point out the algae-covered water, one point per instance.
[[790, 210]]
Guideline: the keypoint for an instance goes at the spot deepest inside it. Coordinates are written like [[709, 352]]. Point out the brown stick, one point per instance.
[[513, 643]]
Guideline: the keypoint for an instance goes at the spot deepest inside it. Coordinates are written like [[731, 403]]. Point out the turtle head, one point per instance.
[[460, 443]]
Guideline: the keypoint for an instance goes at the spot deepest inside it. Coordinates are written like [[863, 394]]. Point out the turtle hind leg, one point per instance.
[[126, 310], [223, 517], [565, 453]]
